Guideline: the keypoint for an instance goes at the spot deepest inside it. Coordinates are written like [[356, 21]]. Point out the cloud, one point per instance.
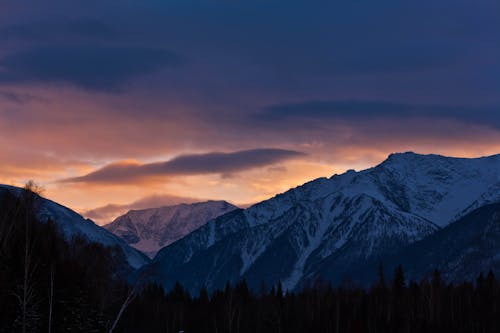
[[79, 28], [93, 67], [198, 164], [365, 111], [294, 48], [107, 213], [19, 98]]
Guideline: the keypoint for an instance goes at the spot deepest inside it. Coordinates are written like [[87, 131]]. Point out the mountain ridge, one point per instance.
[[329, 224], [148, 230]]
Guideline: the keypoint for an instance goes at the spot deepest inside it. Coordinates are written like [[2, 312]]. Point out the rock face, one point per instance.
[[329, 228], [72, 224], [148, 230]]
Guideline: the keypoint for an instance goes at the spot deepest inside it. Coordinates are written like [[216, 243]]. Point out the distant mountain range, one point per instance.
[[148, 230], [422, 211], [330, 228]]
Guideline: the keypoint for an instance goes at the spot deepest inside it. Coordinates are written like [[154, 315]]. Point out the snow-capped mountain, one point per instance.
[[72, 224], [148, 230], [328, 227]]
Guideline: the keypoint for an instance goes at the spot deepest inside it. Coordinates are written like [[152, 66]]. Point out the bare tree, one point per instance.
[[25, 293], [51, 296], [8, 223], [33, 189], [130, 297], [232, 308]]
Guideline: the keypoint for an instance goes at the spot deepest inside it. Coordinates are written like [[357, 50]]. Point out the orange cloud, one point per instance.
[[107, 213]]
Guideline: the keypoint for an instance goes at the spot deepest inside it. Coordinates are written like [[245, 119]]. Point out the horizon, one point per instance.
[[140, 206], [116, 106]]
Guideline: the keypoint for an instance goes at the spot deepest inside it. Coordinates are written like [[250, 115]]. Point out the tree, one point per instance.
[[381, 276], [26, 294], [51, 296], [130, 297], [398, 282]]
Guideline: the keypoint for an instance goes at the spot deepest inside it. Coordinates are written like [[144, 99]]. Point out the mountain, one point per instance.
[[328, 227], [72, 224], [460, 251], [148, 230]]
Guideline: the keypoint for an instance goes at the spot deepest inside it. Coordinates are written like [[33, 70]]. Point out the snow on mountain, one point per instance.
[[148, 230], [327, 227], [72, 224]]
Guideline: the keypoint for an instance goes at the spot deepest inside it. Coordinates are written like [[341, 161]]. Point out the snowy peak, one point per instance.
[[439, 188], [148, 230], [410, 162]]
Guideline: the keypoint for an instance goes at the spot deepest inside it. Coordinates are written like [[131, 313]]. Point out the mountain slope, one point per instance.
[[460, 251], [72, 224], [148, 230], [328, 226]]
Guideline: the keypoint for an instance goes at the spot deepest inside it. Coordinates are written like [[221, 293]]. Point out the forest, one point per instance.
[[50, 284]]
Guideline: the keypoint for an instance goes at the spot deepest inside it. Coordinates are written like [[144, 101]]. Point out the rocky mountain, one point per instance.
[[148, 230], [72, 224], [330, 227]]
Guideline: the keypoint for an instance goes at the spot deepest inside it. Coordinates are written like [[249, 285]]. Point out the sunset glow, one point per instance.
[[112, 108]]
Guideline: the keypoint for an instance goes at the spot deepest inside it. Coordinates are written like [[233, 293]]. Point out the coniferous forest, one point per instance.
[[49, 284]]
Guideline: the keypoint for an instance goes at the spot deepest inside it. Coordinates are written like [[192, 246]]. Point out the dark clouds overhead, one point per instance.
[[19, 98], [211, 163], [73, 30], [211, 68], [388, 48], [88, 66], [365, 111]]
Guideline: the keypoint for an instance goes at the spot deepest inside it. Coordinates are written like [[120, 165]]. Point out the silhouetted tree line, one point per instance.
[[49, 284]]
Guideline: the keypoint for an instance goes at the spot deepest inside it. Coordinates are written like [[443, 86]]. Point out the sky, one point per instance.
[[119, 104]]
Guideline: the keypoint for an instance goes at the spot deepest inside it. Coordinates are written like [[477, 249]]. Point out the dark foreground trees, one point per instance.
[[428, 306], [48, 284]]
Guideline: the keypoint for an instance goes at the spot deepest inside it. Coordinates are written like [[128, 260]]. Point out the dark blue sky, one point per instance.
[[424, 51], [90, 85]]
